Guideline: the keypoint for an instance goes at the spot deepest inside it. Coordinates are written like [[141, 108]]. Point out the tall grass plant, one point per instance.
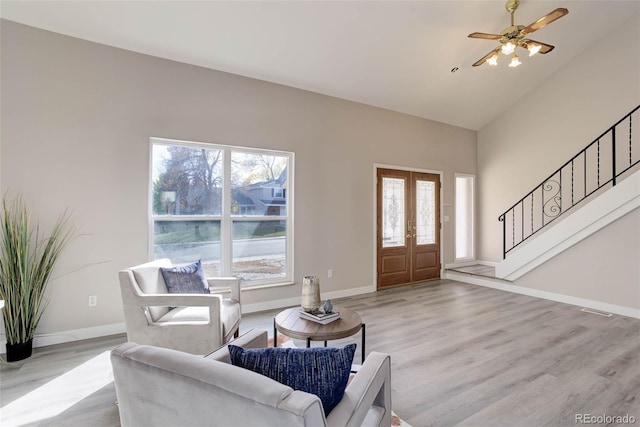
[[27, 260]]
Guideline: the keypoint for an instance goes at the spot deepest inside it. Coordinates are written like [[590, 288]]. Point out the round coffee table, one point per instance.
[[289, 323]]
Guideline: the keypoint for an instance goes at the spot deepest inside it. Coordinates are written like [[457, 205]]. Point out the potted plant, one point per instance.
[[27, 259]]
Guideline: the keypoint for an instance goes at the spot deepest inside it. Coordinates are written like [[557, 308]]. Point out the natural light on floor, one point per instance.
[[59, 394]]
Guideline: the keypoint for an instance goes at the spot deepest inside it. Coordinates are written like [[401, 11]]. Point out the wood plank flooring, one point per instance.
[[462, 355]]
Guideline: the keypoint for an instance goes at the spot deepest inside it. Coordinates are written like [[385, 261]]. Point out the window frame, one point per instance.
[[227, 218], [470, 217]]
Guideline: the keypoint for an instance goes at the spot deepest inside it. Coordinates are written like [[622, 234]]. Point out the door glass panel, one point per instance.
[[393, 214], [426, 212]]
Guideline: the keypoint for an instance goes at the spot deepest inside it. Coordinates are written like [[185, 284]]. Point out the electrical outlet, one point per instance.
[[330, 274], [93, 300]]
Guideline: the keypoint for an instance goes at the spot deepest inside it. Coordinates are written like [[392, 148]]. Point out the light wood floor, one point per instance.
[[462, 355]]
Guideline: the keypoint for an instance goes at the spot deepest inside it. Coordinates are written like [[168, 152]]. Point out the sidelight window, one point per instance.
[[464, 211]]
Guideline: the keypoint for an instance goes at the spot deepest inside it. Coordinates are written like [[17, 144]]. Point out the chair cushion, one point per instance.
[[187, 314], [185, 279], [230, 315], [150, 281], [323, 371]]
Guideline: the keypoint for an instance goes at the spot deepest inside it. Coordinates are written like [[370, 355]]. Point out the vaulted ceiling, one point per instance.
[[397, 55]]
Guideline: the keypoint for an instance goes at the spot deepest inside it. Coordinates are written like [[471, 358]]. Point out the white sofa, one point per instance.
[[198, 324], [161, 387]]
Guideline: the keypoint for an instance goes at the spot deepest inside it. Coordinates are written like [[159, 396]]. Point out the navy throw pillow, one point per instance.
[[323, 371], [185, 279]]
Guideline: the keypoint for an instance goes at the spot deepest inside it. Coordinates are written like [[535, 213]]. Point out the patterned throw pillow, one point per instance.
[[323, 371], [185, 279]]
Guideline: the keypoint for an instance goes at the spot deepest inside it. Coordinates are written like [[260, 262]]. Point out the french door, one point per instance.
[[408, 227]]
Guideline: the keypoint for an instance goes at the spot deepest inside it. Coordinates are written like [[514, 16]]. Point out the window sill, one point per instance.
[[252, 288]]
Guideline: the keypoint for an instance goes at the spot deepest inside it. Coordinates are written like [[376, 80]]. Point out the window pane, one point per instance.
[[189, 241], [258, 184], [425, 212], [186, 180], [393, 212], [259, 250]]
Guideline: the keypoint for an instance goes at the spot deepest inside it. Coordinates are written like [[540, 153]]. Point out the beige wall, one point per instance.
[[76, 122], [604, 267], [549, 126]]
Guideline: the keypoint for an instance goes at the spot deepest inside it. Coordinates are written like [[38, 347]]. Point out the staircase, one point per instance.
[[607, 160], [599, 185]]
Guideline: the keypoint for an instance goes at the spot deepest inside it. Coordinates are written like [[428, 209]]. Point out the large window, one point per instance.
[[464, 217], [230, 207]]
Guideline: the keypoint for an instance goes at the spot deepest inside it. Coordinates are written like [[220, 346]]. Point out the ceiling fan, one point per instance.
[[515, 36]]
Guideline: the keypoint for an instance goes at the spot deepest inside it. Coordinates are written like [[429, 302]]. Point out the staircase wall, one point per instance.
[[604, 267], [552, 123]]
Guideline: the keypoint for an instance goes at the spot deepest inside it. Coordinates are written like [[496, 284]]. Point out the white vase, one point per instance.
[[311, 293]]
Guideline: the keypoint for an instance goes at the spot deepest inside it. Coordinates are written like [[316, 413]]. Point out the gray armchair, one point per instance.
[[198, 324], [160, 387]]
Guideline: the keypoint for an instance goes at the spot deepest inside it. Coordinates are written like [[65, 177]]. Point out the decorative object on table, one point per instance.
[[320, 316], [328, 307], [311, 294], [27, 259]]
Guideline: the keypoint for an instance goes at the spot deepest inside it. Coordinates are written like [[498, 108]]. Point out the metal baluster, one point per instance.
[[560, 193], [613, 155], [598, 165], [542, 204], [531, 214], [522, 221], [513, 228], [585, 175], [630, 162], [572, 167]]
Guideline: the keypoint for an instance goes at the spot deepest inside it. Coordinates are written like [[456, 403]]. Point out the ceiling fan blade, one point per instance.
[[485, 36], [546, 20], [544, 48], [487, 56]]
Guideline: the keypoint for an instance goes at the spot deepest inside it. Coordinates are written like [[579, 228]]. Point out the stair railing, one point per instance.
[[602, 162]]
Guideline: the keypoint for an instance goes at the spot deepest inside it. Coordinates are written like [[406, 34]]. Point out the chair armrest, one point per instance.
[[370, 387], [178, 300], [226, 282]]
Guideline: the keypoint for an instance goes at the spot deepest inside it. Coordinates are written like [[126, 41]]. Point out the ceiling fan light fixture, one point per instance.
[[493, 60], [508, 48], [515, 61], [533, 49], [515, 36]]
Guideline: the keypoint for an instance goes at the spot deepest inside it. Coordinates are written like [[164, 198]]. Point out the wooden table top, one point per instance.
[[289, 323]]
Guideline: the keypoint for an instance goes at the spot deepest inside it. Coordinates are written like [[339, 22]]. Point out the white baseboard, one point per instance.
[[41, 340], [471, 263], [552, 296], [293, 301], [461, 264], [119, 328], [488, 263]]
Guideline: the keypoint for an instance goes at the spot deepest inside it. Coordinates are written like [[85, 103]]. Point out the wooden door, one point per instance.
[[408, 227]]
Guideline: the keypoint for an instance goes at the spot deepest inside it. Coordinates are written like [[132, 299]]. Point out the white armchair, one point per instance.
[[159, 387], [198, 324]]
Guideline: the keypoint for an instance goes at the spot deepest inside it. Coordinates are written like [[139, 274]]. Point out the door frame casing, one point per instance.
[[377, 166]]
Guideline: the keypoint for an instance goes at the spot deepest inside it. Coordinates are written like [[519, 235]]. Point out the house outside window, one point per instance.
[[228, 206]]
